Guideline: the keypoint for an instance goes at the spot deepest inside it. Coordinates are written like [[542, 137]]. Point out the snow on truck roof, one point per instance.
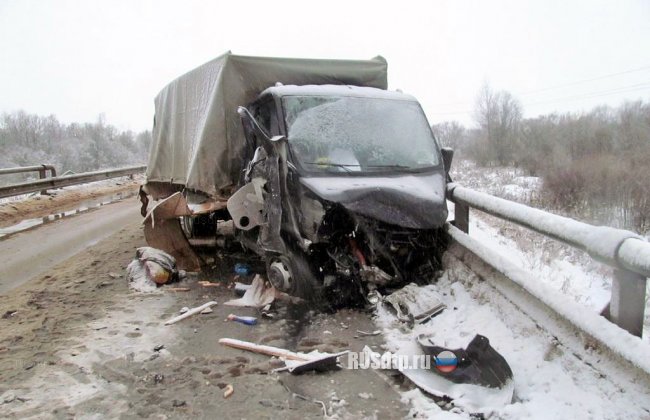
[[337, 90]]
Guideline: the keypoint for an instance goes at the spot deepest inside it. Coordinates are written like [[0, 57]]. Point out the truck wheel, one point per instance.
[[292, 274], [187, 224]]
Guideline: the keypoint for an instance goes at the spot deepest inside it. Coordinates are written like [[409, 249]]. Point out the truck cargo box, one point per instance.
[[197, 135]]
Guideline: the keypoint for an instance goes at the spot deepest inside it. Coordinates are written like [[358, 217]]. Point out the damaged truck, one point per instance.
[[334, 181]]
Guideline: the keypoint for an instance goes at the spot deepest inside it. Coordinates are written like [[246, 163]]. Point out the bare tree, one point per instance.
[[27, 139], [498, 115], [450, 134]]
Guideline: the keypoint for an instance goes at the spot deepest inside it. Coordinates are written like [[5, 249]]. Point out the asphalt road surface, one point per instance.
[[31, 253]]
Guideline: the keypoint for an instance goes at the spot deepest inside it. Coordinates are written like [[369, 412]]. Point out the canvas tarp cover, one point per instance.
[[197, 134]]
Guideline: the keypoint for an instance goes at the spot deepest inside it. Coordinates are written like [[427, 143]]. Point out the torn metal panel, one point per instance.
[[410, 306], [246, 206], [290, 221], [269, 238], [160, 190], [168, 236], [311, 216], [162, 228]]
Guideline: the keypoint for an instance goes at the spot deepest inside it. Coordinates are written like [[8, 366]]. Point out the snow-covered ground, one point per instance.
[[505, 182], [570, 271], [87, 186], [551, 381]]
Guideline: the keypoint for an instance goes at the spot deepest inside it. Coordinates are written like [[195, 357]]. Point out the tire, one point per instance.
[[187, 225], [302, 282]]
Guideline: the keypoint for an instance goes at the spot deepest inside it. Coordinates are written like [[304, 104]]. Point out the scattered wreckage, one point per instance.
[[473, 377], [336, 182]]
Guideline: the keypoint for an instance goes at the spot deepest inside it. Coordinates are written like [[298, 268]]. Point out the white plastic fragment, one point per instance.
[[191, 312]]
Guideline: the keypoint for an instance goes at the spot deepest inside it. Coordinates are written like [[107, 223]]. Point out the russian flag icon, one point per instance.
[[446, 361]]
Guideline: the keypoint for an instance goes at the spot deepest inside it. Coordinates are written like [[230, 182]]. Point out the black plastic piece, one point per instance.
[[478, 364]]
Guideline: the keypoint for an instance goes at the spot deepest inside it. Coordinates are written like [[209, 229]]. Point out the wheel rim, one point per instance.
[[280, 275]]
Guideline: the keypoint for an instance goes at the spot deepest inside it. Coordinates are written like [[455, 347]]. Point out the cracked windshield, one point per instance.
[[351, 134]]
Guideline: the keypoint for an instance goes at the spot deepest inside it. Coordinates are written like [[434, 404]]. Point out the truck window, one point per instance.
[[351, 134], [264, 112]]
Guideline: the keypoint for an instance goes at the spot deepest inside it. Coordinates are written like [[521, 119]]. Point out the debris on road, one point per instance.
[[9, 313], [257, 295], [474, 377], [248, 320], [241, 288], [228, 391], [266, 312], [260, 294], [368, 334], [304, 398], [205, 283], [178, 289], [150, 269], [294, 362], [190, 312], [319, 362], [157, 273], [410, 306], [207, 311], [242, 269], [479, 363], [262, 349]]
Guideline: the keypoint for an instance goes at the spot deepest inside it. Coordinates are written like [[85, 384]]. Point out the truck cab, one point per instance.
[[343, 189]]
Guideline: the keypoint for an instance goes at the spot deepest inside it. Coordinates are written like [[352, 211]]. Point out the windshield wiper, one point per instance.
[[389, 166], [337, 165], [345, 165]]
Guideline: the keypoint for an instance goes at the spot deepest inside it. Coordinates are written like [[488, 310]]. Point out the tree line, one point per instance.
[[29, 139], [594, 165]]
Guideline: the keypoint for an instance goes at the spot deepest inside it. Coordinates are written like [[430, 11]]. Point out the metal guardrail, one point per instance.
[[626, 251], [41, 169], [65, 181]]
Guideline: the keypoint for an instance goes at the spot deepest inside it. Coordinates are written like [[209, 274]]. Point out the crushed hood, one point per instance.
[[415, 201]]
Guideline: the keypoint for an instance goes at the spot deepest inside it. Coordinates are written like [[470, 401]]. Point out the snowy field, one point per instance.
[[570, 271]]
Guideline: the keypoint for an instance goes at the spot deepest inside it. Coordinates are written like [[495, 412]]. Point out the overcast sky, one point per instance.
[[79, 59]]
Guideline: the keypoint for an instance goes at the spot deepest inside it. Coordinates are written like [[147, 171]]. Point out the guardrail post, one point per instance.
[[41, 175], [461, 216], [627, 306]]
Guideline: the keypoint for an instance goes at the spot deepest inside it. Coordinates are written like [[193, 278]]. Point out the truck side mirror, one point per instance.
[[447, 157], [247, 118]]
